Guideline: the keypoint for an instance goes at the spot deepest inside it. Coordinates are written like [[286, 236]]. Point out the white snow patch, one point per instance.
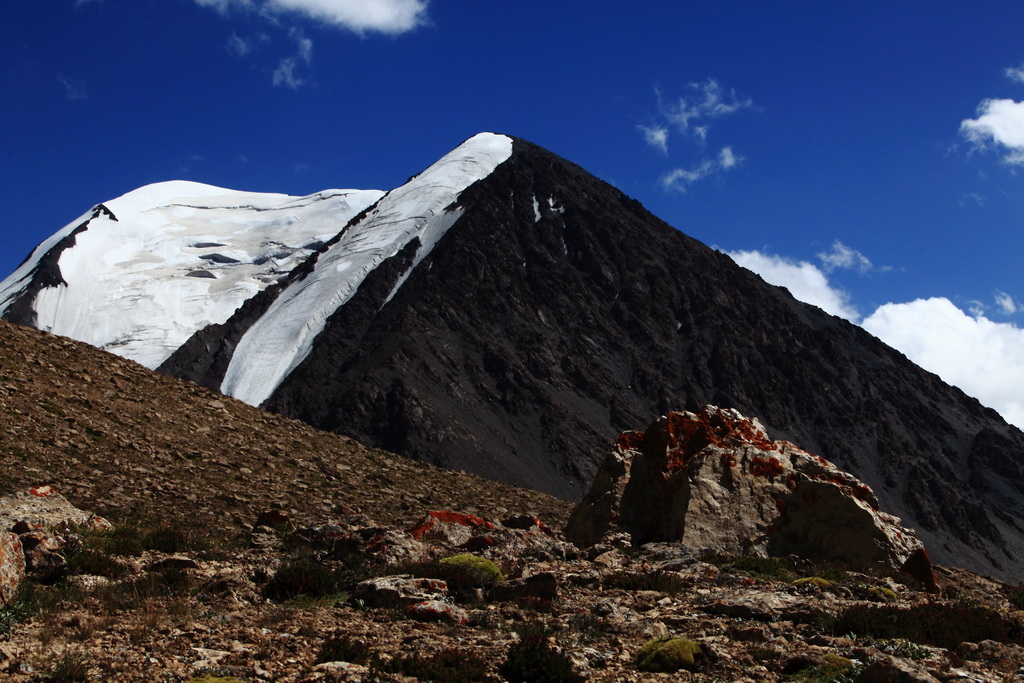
[[555, 207], [129, 289], [536, 210], [283, 337]]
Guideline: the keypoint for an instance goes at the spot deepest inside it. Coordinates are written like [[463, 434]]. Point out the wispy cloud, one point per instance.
[[360, 16], [1006, 303], [690, 117], [286, 74], [243, 46], [704, 102], [982, 357], [1015, 73], [842, 256], [680, 179], [656, 136], [804, 280], [74, 89]]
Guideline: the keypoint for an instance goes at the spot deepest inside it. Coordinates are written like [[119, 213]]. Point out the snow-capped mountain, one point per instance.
[[506, 313], [140, 274]]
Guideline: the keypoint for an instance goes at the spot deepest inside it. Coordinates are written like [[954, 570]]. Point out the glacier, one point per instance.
[[170, 258]]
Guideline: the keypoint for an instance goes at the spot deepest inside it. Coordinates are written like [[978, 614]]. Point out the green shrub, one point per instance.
[[668, 655], [533, 660], [448, 666]]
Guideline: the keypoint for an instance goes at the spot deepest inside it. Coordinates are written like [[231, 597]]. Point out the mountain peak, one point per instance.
[[506, 313]]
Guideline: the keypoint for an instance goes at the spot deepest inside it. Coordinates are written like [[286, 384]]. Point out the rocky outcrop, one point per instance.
[[715, 481], [35, 526]]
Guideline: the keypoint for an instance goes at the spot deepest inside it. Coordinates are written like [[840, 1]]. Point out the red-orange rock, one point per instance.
[[12, 566]]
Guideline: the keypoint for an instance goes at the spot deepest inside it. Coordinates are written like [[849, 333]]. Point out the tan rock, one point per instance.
[[714, 480]]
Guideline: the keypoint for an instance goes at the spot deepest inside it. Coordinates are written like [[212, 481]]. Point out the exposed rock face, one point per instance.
[[714, 480]]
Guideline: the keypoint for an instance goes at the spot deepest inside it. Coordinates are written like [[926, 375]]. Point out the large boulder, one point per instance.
[[715, 481], [33, 528]]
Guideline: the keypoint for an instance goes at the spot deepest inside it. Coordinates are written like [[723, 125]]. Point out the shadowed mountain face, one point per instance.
[[557, 312]]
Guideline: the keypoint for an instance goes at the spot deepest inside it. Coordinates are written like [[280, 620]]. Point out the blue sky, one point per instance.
[[867, 155]]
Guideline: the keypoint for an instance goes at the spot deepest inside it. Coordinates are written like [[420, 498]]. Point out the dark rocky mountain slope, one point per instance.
[[557, 312]]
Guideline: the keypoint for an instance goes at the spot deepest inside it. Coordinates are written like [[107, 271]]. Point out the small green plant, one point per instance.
[[533, 660], [480, 570], [814, 582], [834, 669], [448, 666], [668, 655], [900, 647], [882, 594], [344, 649], [463, 573]]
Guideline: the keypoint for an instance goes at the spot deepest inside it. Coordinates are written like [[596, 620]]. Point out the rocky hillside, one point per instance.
[[247, 547], [126, 442]]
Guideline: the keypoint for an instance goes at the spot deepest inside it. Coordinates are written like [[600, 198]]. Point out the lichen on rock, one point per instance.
[[714, 480]]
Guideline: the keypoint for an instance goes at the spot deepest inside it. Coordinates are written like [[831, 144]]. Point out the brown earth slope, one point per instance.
[[123, 441]]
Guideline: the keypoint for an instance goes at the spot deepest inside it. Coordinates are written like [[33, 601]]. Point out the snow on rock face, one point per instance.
[[170, 258], [283, 336]]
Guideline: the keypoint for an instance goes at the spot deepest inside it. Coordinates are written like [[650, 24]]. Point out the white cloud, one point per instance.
[[804, 280], [704, 102], [842, 256], [360, 16], [690, 116], [1015, 73], [75, 90], [681, 178], [243, 46], [1006, 303], [656, 136], [285, 75], [1000, 122], [983, 358]]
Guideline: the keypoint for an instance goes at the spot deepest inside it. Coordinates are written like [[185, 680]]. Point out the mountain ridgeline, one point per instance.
[[533, 312]]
